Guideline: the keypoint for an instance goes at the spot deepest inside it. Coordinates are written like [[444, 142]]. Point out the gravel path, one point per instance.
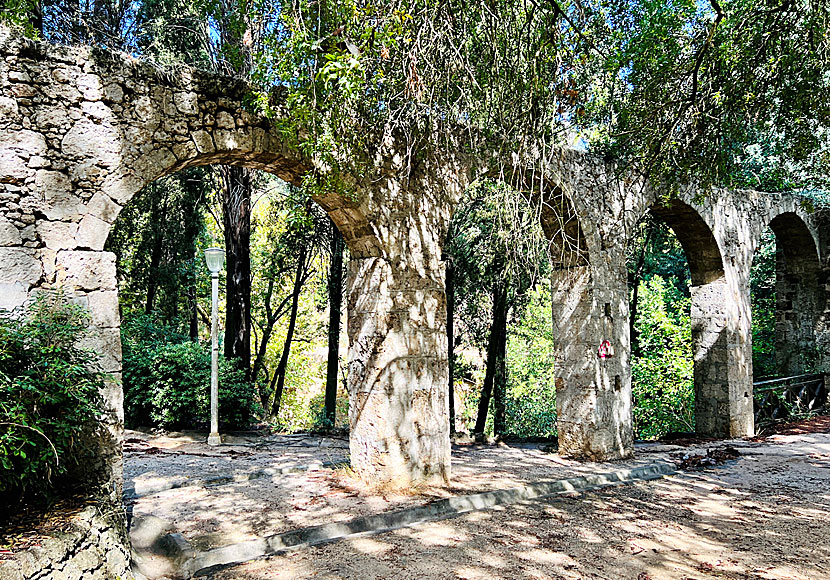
[[765, 515], [217, 515]]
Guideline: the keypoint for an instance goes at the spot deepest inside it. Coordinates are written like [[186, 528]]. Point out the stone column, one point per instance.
[[798, 302], [88, 278], [593, 393], [722, 347], [398, 372]]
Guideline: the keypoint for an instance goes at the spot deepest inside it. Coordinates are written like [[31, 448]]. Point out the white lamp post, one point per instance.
[[215, 258]]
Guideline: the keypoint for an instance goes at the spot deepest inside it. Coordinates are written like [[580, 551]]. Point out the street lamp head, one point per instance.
[[215, 258]]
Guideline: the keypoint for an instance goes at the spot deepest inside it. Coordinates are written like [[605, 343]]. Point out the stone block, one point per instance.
[[87, 559], [8, 108], [113, 92], [57, 235], [19, 265], [13, 295], [9, 234], [13, 169], [88, 140], [187, 103], [103, 308], [122, 187], [24, 141], [10, 570], [86, 270], [92, 233], [225, 121], [97, 110], [90, 86], [102, 207], [60, 201], [203, 141], [106, 343]]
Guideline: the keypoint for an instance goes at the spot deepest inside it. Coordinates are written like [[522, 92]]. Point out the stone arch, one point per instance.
[[800, 294], [710, 325], [244, 146]]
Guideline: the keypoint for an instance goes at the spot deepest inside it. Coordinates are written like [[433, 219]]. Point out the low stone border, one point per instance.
[[139, 489], [202, 563], [91, 548]]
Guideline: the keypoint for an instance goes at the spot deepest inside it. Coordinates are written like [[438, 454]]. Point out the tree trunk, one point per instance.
[[236, 217], [450, 288], [36, 17], [194, 313], [635, 293], [279, 374], [500, 378], [493, 347], [152, 279], [335, 302]]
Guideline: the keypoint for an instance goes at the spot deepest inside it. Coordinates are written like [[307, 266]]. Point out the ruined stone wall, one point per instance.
[[81, 131], [91, 546]]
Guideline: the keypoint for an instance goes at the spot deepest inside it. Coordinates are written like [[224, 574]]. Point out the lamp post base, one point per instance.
[[214, 439]]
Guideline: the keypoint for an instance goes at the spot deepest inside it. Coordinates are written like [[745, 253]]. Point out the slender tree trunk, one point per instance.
[[236, 217], [152, 279], [450, 288], [194, 313], [279, 374], [500, 378], [497, 328], [335, 302], [635, 293]]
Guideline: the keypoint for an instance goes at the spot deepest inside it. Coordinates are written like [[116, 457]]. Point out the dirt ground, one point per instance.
[[765, 515], [213, 516]]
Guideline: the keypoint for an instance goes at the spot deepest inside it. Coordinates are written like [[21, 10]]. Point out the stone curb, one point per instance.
[[140, 490], [203, 562]]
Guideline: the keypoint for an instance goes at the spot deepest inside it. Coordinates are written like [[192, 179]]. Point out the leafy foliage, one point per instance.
[[662, 385], [762, 287], [531, 388], [50, 401], [167, 380], [495, 235], [156, 265]]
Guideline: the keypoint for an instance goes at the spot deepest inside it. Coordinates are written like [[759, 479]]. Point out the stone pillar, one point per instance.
[[398, 373], [593, 394], [89, 279], [798, 302], [722, 348]]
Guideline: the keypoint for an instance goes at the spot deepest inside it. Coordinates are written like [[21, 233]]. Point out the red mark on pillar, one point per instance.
[[605, 350]]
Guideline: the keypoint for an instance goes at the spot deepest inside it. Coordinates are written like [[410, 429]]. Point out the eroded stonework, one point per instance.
[[82, 131]]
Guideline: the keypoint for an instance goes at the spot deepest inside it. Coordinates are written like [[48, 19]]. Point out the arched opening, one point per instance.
[[498, 300], [799, 296], [159, 239], [591, 414], [788, 298], [688, 315]]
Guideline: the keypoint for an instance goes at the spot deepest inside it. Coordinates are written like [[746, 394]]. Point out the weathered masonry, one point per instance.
[[81, 131]]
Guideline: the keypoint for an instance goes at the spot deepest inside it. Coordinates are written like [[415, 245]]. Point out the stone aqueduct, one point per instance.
[[81, 131]]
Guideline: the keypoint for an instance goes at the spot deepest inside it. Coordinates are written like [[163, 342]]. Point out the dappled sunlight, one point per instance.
[[370, 546], [721, 522]]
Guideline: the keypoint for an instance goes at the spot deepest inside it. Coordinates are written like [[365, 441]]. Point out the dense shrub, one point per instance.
[[50, 401], [662, 376], [531, 390], [167, 381]]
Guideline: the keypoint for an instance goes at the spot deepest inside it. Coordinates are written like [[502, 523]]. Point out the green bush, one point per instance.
[[50, 397], [662, 376], [531, 392], [167, 381]]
